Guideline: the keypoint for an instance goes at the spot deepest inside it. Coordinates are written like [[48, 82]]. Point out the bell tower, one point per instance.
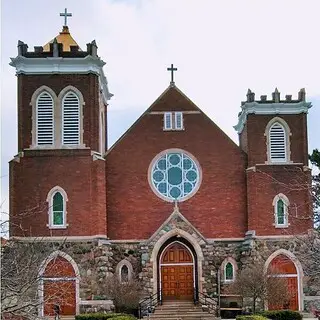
[[273, 133], [57, 179]]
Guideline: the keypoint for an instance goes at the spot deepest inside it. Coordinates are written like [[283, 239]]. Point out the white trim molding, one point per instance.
[[50, 196], [286, 204], [157, 246], [224, 263], [60, 65], [119, 267], [270, 109], [287, 143]]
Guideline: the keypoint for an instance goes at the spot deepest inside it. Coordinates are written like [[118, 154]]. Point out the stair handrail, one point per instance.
[[209, 301], [148, 304]]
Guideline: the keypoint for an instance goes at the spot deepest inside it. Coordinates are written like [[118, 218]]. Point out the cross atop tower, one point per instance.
[[172, 69], [65, 14]]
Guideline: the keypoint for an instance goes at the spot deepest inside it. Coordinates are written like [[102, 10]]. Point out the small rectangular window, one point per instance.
[[178, 120], [167, 121]]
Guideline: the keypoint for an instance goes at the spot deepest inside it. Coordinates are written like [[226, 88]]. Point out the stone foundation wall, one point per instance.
[[97, 260]]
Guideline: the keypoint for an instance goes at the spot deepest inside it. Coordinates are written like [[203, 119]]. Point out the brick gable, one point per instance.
[[135, 212]]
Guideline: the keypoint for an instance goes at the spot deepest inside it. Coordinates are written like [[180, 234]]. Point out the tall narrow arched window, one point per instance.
[[124, 274], [70, 119], [229, 272], [277, 143], [44, 119], [281, 204], [57, 209], [57, 201]]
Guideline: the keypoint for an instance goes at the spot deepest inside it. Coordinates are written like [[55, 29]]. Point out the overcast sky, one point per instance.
[[221, 49]]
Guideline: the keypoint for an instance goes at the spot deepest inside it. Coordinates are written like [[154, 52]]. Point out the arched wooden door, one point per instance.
[[177, 272], [59, 287], [285, 268]]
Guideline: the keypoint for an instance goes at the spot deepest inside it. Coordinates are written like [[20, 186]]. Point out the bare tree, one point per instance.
[[21, 280], [125, 295], [315, 160], [258, 287]]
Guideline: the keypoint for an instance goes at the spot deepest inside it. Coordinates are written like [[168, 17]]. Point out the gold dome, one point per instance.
[[65, 38]]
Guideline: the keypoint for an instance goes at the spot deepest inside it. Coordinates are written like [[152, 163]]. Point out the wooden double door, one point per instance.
[[177, 273]]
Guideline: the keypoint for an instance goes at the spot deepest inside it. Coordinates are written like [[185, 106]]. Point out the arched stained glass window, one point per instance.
[[175, 176], [280, 212], [58, 209], [229, 271]]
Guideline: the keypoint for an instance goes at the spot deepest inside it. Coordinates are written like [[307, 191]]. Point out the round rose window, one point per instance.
[[175, 176]]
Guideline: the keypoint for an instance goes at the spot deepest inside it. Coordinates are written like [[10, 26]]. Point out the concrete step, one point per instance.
[[179, 310]]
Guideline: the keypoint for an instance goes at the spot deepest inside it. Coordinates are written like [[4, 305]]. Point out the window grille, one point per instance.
[[277, 143], [71, 119], [173, 121], [44, 114], [168, 121], [178, 121]]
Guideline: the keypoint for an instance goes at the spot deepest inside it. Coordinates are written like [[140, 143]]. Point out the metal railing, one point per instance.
[[148, 304], [211, 302]]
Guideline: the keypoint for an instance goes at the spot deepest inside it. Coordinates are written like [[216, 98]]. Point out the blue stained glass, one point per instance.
[[187, 187], [175, 176], [191, 175], [162, 164], [162, 187], [175, 193], [158, 176], [187, 164], [174, 159]]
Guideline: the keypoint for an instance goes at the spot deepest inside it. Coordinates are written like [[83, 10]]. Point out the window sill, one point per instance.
[[280, 163], [57, 147], [228, 281], [281, 226], [173, 129], [58, 227]]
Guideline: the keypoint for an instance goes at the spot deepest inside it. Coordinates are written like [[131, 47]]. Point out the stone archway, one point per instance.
[[177, 235], [176, 272], [288, 267], [59, 285]]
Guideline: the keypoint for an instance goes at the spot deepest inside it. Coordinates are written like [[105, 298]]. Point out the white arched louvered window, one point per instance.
[[44, 119], [277, 143], [70, 119]]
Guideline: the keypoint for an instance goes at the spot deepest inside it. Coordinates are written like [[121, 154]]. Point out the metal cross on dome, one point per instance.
[[172, 69], [65, 14]]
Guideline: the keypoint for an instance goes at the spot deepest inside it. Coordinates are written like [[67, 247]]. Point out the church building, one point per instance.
[[174, 203]]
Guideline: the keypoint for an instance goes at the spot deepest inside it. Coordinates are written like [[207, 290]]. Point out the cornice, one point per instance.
[[270, 109], [60, 65]]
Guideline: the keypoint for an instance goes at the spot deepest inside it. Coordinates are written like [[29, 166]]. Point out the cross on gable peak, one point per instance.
[[172, 70]]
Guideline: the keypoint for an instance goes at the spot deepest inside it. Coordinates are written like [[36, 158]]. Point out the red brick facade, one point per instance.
[[87, 84], [112, 197]]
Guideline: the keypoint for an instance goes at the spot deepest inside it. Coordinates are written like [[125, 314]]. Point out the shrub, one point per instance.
[[253, 317], [282, 315], [104, 316]]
